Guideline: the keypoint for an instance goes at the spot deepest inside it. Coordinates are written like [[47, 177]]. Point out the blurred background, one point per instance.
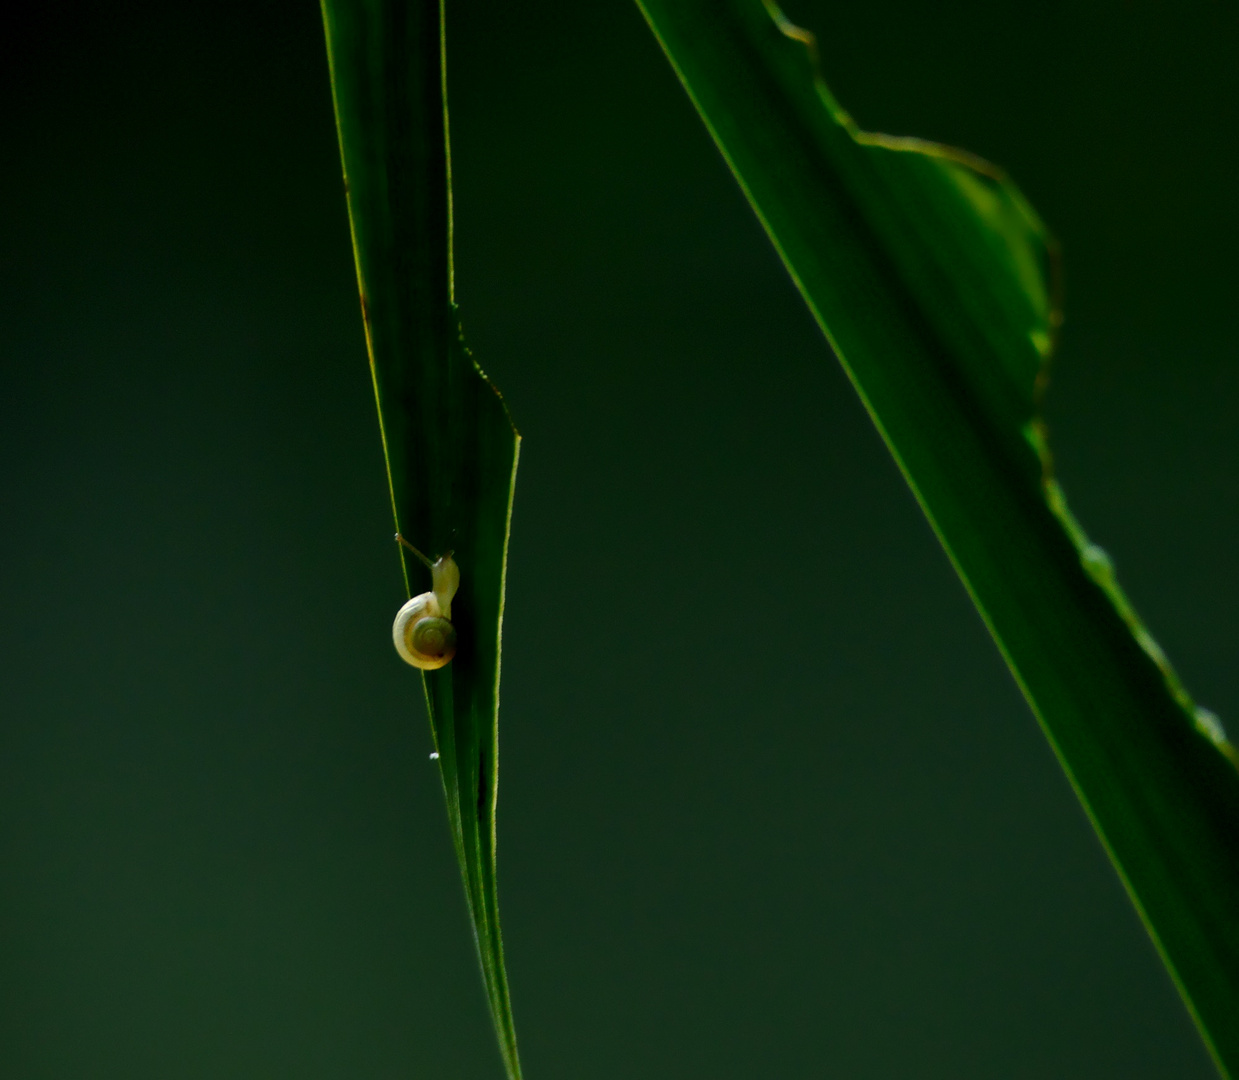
[[771, 803]]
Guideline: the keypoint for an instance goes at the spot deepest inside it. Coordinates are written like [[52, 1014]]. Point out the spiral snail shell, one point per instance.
[[423, 633]]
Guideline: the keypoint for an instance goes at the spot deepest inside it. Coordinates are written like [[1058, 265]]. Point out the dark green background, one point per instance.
[[771, 804]]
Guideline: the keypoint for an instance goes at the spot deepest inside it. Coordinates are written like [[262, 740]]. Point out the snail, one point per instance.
[[423, 633]]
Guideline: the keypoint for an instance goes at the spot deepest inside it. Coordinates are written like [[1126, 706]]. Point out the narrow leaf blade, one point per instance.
[[450, 446], [933, 280]]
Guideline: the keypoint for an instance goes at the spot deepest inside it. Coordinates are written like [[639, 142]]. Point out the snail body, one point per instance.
[[423, 632]]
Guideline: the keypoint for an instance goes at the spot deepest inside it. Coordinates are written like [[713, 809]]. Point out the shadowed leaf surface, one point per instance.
[[450, 447]]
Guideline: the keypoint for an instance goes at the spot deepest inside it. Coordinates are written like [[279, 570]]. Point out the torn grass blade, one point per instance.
[[450, 446], [933, 280]]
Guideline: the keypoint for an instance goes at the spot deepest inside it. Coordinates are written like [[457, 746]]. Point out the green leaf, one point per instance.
[[934, 282], [450, 446]]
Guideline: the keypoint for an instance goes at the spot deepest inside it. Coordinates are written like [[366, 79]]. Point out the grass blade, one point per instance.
[[450, 446], [933, 280]]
